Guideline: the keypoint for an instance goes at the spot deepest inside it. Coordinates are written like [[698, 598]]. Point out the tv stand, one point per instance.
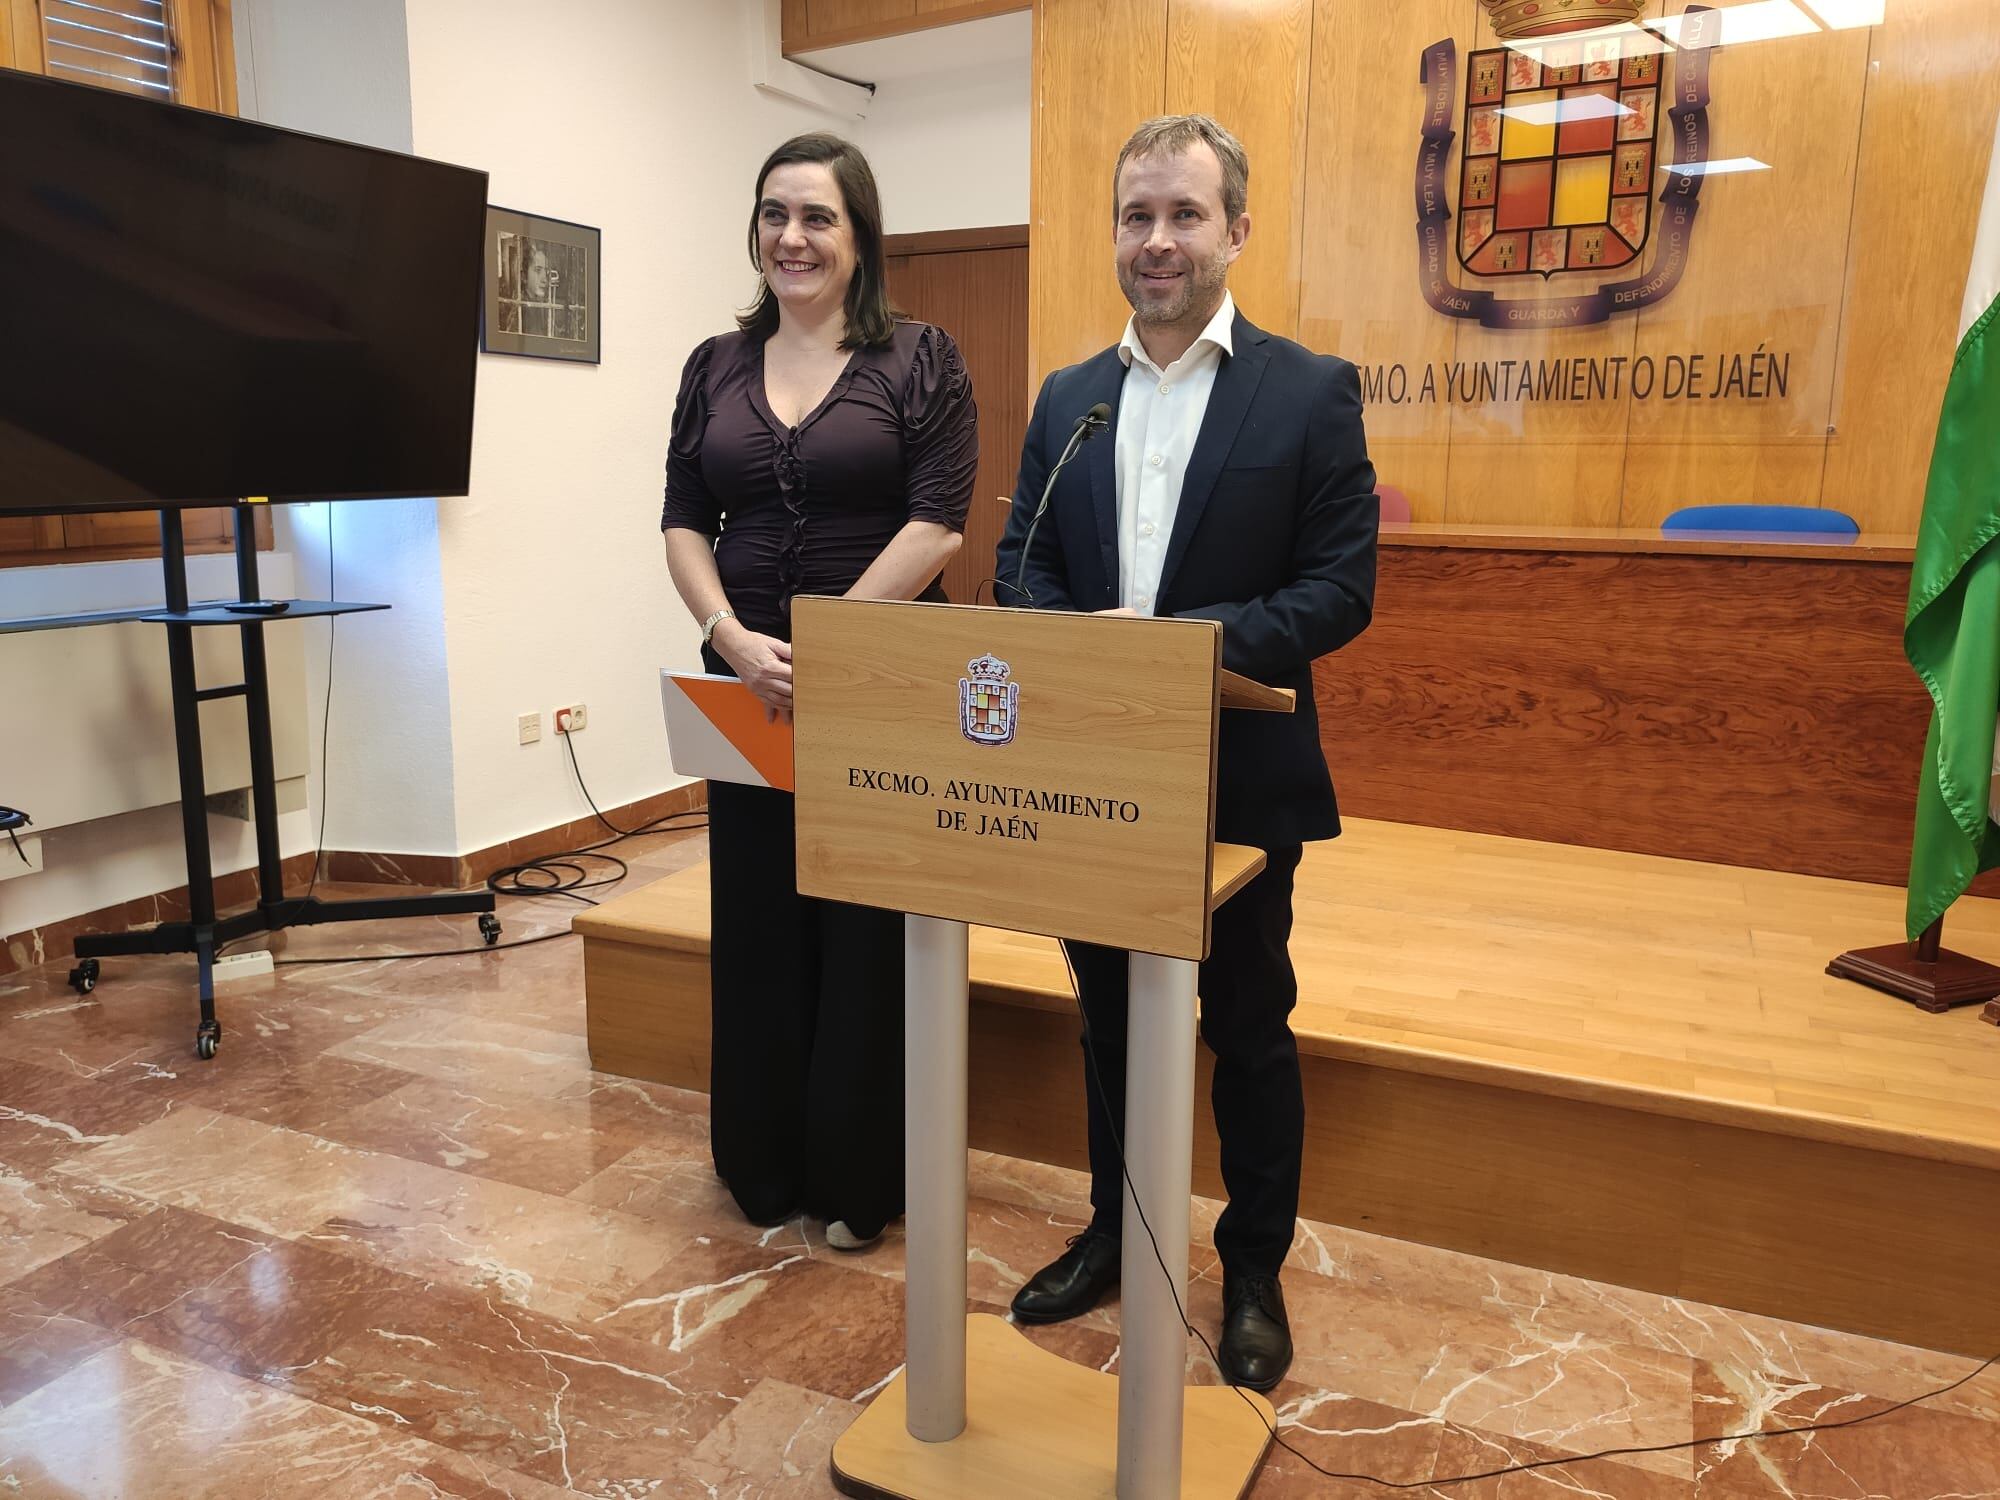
[[204, 932]]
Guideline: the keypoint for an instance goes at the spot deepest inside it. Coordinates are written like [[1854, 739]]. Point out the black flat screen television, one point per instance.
[[200, 308]]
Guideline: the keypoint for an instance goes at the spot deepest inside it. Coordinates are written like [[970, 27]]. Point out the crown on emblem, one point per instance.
[[1526, 18], [987, 668]]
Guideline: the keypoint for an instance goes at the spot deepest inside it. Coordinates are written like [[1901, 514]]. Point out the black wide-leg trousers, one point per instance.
[[1247, 989], [806, 996]]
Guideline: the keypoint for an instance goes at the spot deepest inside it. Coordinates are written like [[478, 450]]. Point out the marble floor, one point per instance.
[[399, 1240]]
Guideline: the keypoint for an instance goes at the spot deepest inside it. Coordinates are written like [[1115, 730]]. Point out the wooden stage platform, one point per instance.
[[1611, 1065]]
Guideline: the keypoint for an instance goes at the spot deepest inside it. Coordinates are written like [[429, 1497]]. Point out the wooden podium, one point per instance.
[[1048, 773]]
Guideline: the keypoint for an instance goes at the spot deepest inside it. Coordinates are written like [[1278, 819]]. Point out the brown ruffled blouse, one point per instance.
[[805, 509]]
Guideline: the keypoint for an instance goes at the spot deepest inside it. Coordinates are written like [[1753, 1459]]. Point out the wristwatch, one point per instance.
[[708, 625]]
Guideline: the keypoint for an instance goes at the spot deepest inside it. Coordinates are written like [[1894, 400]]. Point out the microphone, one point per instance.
[[1088, 426]]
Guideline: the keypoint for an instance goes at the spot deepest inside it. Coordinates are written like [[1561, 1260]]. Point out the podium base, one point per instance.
[[1036, 1424], [1897, 969]]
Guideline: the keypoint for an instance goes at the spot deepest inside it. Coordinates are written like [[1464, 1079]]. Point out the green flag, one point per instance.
[[1951, 631]]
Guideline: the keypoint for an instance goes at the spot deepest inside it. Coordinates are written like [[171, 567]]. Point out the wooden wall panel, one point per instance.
[[1262, 99], [1847, 254], [1359, 295], [1925, 140], [1564, 459], [1100, 68], [1784, 233], [1743, 710]]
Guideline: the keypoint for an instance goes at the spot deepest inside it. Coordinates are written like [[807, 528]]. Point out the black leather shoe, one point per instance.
[[1071, 1284], [1256, 1336]]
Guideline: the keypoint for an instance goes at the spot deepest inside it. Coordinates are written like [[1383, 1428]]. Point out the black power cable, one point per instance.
[[1117, 1137], [12, 818]]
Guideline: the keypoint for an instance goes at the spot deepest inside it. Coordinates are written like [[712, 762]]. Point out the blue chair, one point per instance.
[[1798, 522]]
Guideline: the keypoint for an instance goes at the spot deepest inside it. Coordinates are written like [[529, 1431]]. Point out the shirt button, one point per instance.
[[1147, 529], [1145, 601], [1156, 460], [1166, 390]]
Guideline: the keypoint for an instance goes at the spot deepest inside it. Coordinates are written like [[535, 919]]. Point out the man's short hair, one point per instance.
[[1170, 135]]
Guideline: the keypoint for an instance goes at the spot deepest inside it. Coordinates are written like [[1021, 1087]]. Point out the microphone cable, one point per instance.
[[1088, 426]]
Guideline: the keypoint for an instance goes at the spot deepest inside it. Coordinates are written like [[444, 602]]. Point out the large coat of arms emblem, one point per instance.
[[988, 704], [1563, 132]]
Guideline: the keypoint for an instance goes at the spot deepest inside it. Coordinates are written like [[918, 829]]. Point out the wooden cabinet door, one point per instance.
[[980, 298]]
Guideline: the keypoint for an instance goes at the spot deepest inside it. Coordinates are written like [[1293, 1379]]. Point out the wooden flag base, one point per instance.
[[1991, 1015], [1923, 973]]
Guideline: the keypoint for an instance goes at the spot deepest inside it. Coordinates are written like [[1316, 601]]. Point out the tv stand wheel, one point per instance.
[[489, 928], [83, 978], [207, 1037]]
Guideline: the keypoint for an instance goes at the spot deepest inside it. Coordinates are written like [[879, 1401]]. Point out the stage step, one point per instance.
[[1604, 1064]]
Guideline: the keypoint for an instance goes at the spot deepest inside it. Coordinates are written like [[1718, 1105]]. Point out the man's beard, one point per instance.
[[1202, 280]]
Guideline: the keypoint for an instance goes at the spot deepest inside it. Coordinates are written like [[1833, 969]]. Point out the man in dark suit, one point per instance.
[[1231, 483]]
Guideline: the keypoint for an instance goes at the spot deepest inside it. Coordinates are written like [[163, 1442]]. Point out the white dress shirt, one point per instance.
[[1159, 418]]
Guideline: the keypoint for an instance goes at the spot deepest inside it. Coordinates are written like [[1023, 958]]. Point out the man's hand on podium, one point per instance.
[[1120, 611], [763, 662]]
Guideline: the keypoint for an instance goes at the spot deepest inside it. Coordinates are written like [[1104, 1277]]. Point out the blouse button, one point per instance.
[[1155, 460]]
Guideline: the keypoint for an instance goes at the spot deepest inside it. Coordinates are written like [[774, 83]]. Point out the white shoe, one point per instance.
[[840, 1237]]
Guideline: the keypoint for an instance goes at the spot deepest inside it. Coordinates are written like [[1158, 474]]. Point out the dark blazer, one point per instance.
[[1275, 538]]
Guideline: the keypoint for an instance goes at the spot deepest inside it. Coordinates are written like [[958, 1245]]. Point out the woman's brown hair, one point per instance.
[[871, 320]]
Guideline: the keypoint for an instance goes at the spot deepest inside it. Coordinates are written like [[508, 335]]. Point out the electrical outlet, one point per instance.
[[570, 720], [531, 728]]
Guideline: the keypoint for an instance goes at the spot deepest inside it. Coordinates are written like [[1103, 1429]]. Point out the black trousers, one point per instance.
[[1247, 991], [806, 996]]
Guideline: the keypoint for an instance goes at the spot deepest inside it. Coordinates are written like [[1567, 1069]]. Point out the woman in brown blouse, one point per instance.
[[826, 447]]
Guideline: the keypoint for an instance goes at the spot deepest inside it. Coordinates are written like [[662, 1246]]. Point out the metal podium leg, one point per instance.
[[1159, 1156], [934, 1095]]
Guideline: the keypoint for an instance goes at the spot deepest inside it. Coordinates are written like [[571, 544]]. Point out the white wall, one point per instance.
[[89, 720], [546, 584], [648, 128], [551, 588], [950, 149]]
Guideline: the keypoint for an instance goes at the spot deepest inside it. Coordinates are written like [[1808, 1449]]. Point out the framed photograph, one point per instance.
[[541, 287]]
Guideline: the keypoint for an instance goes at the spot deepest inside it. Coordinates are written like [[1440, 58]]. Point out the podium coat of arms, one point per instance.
[[988, 704]]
